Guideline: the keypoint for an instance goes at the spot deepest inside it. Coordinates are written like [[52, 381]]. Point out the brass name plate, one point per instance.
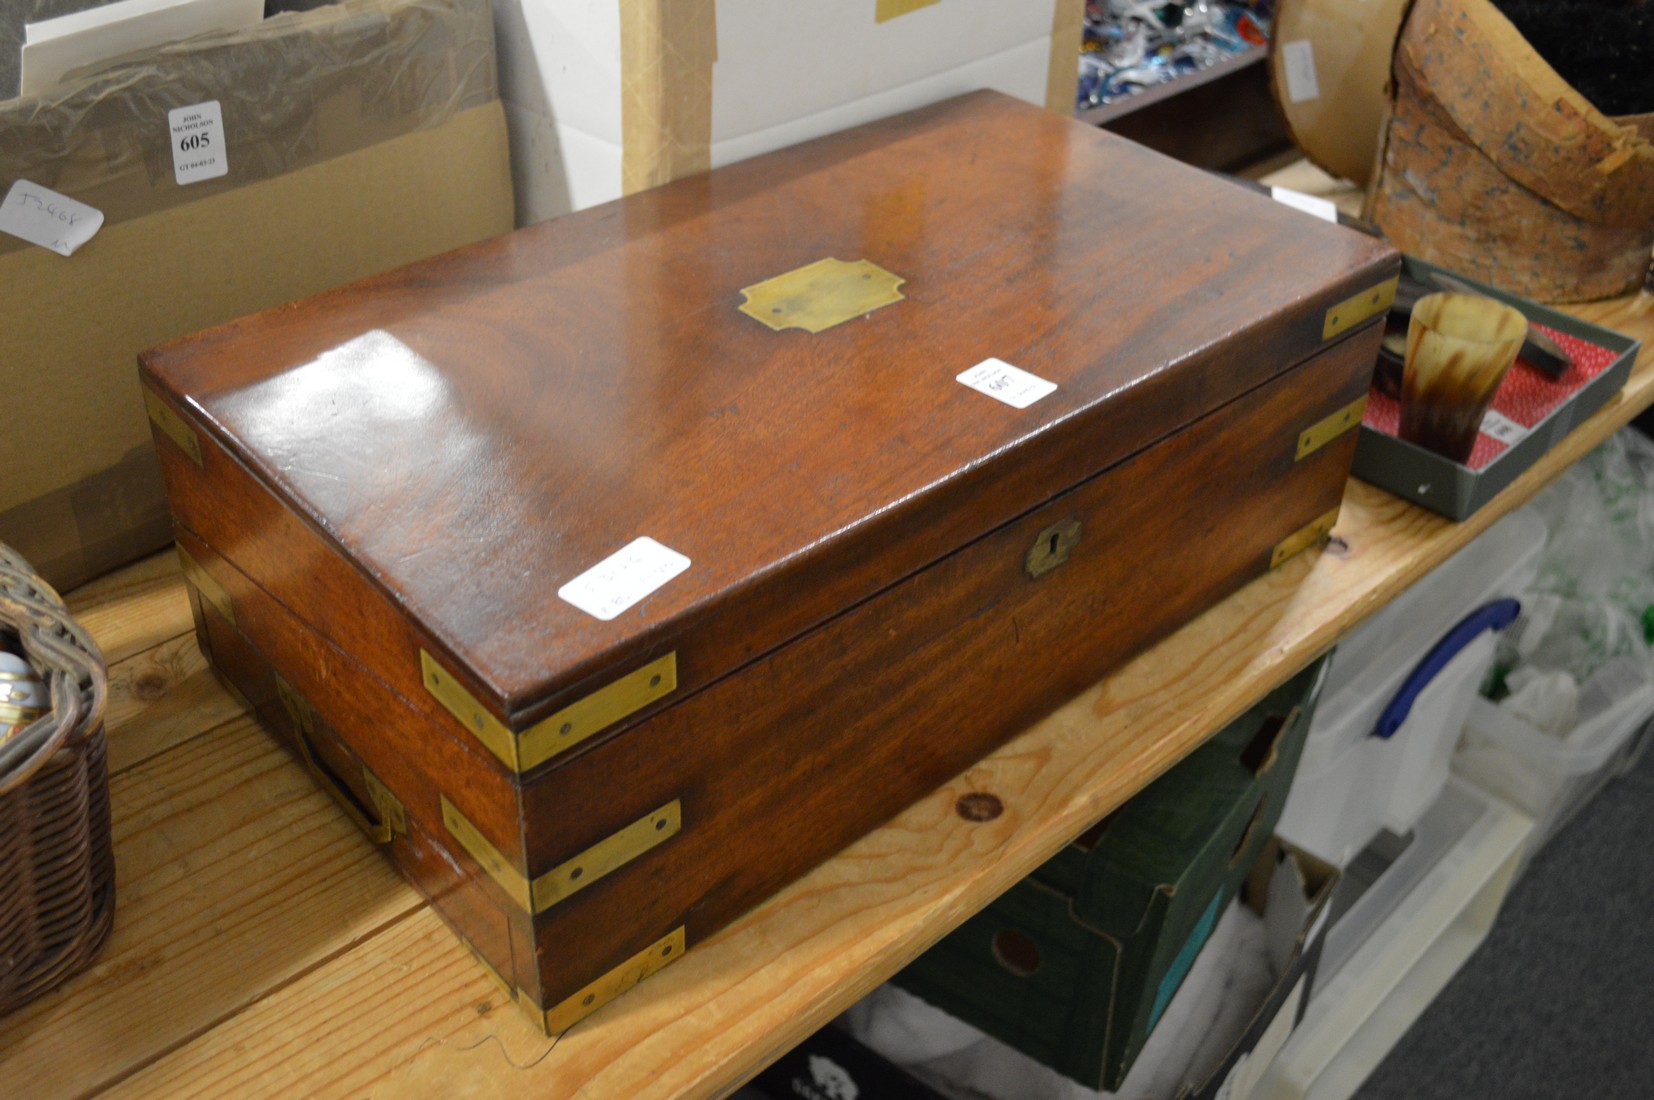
[[1358, 307], [667, 949], [208, 588], [572, 875], [522, 751], [818, 296], [172, 425], [1324, 431], [1304, 538]]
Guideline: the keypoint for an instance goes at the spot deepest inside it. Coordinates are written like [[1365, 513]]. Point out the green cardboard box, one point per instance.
[[1074, 965]]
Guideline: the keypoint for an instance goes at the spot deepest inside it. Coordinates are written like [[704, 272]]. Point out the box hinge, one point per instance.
[[1358, 307], [572, 875], [524, 750], [1304, 538], [208, 588], [172, 425], [651, 959], [1327, 429], [383, 817]]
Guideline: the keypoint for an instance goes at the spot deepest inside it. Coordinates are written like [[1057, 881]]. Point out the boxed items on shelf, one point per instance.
[[648, 557], [356, 137], [1130, 45], [1575, 683], [1398, 691], [1400, 930], [1246, 991], [605, 99], [1531, 412], [1075, 965]]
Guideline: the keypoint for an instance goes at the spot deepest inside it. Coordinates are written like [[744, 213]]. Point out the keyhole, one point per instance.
[[1054, 539]]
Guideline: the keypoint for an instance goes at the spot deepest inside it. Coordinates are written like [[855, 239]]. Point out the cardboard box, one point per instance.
[[1292, 891], [1075, 965], [358, 137], [1457, 490], [607, 97]]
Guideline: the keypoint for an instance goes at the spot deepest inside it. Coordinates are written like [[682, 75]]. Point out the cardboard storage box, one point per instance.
[[1540, 412], [651, 555], [357, 137], [1292, 891], [606, 97], [1075, 965]]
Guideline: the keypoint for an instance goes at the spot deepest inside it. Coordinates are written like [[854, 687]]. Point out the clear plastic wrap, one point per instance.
[[296, 89], [1587, 626]]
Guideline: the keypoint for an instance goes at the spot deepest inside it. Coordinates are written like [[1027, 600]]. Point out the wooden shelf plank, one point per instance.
[[234, 874], [405, 1014], [134, 609]]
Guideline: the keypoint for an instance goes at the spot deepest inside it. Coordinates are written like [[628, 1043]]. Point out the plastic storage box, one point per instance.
[[1392, 952], [1397, 694], [1551, 777]]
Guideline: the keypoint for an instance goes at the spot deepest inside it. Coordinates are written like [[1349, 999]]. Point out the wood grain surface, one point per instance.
[[461, 437], [261, 948]]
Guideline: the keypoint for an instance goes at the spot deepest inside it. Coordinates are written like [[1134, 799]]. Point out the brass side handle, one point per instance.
[[380, 823]]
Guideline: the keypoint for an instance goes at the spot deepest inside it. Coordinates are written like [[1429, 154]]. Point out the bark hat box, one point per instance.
[[619, 570]]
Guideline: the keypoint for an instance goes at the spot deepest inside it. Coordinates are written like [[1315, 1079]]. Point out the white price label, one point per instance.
[[1298, 59], [1003, 382], [623, 578], [1503, 428], [198, 151], [1309, 204], [44, 217]]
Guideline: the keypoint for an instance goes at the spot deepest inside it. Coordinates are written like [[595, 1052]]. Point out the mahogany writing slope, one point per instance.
[[616, 571]]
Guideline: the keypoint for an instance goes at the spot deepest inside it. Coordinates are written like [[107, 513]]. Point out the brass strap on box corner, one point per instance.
[[1303, 538], [523, 750], [1327, 429], [1358, 307], [172, 425], [388, 817], [206, 586], [818, 296], [571, 1010], [572, 875]]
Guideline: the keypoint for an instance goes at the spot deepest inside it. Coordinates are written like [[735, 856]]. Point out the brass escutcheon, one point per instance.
[[1052, 547]]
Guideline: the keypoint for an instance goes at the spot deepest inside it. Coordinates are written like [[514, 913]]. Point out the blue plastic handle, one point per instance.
[[1490, 616]]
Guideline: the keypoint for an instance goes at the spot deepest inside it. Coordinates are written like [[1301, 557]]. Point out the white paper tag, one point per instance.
[[1324, 209], [48, 219], [198, 151], [1003, 382], [1298, 59], [1503, 428], [623, 578]]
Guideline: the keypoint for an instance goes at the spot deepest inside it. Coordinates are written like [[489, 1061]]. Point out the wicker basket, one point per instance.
[[57, 872]]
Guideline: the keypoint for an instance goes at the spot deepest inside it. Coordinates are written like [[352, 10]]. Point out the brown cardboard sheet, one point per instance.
[[71, 331]]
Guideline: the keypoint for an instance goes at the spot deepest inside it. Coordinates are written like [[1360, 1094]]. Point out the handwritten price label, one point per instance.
[[623, 578], [44, 217], [1003, 382], [198, 142]]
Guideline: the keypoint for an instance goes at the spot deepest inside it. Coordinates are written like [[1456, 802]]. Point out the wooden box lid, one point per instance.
[[478, 430]]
